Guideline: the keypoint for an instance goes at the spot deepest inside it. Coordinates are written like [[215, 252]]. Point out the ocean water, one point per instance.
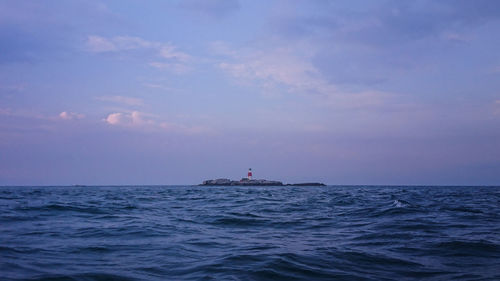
[[249, 233]]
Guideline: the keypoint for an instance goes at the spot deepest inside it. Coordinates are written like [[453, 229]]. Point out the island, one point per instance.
[[256, 182], [248, 181]]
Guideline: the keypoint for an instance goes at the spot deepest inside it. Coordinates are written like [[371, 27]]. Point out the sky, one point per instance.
[[176, 92]]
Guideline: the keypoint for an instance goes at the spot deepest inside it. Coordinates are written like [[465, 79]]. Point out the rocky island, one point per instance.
[[250, 182]]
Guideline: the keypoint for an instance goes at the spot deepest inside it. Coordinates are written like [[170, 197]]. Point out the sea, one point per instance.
[[250, 233]]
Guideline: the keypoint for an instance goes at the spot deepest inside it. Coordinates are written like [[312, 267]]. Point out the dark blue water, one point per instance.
[[249, 233]]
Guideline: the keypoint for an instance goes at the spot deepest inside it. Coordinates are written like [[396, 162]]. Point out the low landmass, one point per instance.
[[251, 182]]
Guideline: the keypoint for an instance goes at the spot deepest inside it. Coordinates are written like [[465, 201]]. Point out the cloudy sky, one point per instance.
[[175, 92]]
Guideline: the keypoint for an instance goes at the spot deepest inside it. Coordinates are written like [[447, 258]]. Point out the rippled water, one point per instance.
[[249, 233]]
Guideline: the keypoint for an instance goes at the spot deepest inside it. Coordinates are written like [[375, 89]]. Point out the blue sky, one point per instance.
[[175, 92]]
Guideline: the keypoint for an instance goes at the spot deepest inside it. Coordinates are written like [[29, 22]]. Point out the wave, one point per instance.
[[398, 203], [265, 233], [83, 277], [62, 208], [484, 249], [239, 222]]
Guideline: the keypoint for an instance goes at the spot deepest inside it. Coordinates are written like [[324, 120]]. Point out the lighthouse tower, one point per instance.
[[249, 173]]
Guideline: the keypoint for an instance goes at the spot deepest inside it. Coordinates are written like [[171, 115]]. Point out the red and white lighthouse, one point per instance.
[[249, 173]]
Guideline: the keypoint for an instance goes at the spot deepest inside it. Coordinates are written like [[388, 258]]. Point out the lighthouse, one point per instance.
[[249, 173]]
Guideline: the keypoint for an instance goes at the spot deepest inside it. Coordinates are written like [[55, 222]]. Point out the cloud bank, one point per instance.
[[163, 55], [65, 115]]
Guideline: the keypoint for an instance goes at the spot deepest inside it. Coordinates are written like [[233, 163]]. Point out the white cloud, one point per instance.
[[70, 115], [116, 119], [122, 100], [99, 44], [178, 68], [293, 69], [29, 114], [131, 43], [164, 55], [168, 51], [280, 66], [134, 118], [149, 122]]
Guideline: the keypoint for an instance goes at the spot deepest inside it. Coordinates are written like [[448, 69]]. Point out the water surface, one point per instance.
[[249, 233]]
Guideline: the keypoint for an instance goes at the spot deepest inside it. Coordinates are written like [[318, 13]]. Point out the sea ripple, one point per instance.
[[249, 233]]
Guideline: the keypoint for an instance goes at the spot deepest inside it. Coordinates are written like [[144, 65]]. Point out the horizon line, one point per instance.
[[134, 185]]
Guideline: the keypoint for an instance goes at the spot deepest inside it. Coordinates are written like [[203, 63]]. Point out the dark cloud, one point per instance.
[[19, 46], [388, 22], [26, 44], [367, 43], [211, 8], [31, 31], [475, 11], [400, 21]]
